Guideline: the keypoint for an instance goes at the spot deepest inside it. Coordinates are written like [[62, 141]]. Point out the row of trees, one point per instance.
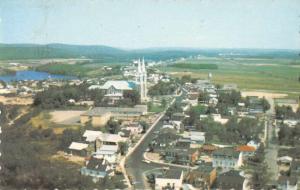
[[162, 88], [58, 97], [286, 112], [289, 136], [257, 167], [234, 131]]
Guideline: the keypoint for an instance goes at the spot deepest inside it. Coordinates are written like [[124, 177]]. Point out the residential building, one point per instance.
[[108, 152], [287, 183], [230, 180], [79, 149], [246, 150], [203, 177], [227, 158], [99, 169], [171, 179]]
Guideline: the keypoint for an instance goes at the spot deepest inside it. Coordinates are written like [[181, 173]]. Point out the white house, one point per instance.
[[227, 158], [218, 118], [108, 152], [171, 178]]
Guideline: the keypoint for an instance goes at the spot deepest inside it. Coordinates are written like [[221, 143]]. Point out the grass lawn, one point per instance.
[[156, 109]]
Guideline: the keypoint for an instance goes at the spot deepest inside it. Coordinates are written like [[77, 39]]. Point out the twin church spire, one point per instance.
[[141, 79]]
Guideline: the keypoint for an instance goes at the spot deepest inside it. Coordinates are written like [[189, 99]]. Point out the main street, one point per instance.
[[271, 149], [134, 164]]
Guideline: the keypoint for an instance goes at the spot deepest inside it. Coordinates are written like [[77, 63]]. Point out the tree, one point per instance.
[[203, 97], [123, 147], [145, 126], [68, 136], [265, 104], [163, 103], [131, 97], [257, 168], [150, 105], [112, 126], [185, 79]]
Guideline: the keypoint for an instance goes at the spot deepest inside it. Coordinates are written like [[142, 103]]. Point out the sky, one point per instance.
[[134, 24]]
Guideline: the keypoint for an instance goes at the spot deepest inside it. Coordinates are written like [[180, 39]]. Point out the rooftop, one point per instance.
[[245, 148], [103, 110], [120, 85], [78, 146], [171, 174]]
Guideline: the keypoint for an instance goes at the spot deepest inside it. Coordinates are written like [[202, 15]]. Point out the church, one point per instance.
[[114, 89]]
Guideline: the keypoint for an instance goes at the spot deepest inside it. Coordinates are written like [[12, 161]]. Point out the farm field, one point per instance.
[[274, 75]]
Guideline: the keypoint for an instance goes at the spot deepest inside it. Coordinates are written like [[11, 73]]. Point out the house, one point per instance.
[[227, 158], [99, 116], [195, 137], [284, 163], [218, 118], [246, 150], [108, 152], [102, 138], [213, 101], [203, 177], [125, 133], [181, 156], [230, 180], [79, 149], [193, 98], [253, 144], [208, 148], [178, 116], [98, 169], [290, 122], [135, 128], [171, 179], [287, 183], [167, 137]]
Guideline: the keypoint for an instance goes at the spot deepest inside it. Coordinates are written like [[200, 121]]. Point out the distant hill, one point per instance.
[[106, 53]]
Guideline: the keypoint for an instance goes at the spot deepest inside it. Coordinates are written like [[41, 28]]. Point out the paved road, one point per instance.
[[272, 147], [134, 164], [271, 154]]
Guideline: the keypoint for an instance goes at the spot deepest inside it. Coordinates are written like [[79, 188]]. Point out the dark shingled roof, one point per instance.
[[230, 180], [226, 152], [97, 164]]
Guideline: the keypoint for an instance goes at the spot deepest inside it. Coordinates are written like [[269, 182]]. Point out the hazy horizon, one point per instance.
[[149, 24]]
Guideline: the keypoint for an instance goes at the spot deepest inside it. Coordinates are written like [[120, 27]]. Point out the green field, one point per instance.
[[278, 75], [195, 66]]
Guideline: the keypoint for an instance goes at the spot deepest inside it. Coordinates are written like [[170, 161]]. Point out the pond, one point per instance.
[[34, 75]]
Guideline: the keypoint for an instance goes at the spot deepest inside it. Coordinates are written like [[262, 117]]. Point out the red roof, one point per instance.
[[245, 148]]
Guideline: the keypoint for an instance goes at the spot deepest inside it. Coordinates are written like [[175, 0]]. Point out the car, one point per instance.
[[146, 161]]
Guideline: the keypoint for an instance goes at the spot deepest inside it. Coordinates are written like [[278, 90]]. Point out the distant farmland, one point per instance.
[[195, 66]]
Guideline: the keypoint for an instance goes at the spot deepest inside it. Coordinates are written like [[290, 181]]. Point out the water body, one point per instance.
[[34, 75]]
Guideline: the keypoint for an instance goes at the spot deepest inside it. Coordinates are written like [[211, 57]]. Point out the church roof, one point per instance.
[[120, 85]]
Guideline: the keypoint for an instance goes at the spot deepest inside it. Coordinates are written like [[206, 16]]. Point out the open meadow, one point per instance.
[[274, 75]]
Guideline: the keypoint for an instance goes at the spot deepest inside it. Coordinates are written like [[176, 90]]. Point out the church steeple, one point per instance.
[[141, 79]]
